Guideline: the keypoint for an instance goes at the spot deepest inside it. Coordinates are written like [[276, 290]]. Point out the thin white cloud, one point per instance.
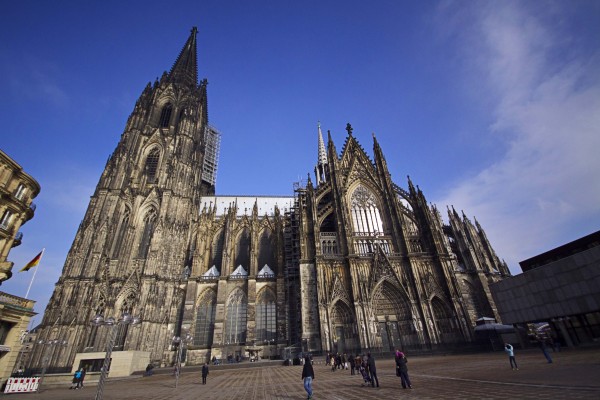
[[545, 188], [37, 83]]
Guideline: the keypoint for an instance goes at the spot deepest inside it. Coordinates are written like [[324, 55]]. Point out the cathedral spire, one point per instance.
[[322, 153], [320, 169], [185, 69]]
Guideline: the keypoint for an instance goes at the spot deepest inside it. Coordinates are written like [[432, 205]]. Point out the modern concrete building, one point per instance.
[[561, 287]]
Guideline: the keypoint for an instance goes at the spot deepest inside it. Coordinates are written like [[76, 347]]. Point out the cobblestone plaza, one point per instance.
[[573, 375]]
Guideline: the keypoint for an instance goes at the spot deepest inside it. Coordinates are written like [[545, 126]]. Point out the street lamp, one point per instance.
[[180, 343], [46, 357], [99, 320]]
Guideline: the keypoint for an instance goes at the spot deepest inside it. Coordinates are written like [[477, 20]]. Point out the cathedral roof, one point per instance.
[[245, 204]]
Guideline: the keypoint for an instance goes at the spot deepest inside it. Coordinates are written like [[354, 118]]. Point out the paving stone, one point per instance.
[[573, 375]]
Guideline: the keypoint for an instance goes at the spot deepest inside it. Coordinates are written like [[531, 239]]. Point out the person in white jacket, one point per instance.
[[511, 355]]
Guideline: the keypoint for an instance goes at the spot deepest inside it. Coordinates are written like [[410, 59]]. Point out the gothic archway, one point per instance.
[[216, 250], [266, 250], [205, 318], [242, 250], [393, 317], [124, 305], [343, 327], [236, 318], [266, 316]]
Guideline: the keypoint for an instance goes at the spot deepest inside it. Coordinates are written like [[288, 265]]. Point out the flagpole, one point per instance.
[[33, 277]]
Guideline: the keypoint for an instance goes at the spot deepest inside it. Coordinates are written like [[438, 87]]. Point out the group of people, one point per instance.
[[365, 365], [542, 342], [78, 378]]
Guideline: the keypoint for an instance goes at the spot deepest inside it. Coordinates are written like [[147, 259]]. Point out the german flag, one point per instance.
[[33, 263]]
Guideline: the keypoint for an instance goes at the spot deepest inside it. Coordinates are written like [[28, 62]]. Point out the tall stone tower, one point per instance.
[[133, 245]]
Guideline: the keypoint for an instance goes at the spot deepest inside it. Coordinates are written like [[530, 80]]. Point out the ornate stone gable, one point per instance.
[[381, 269], [337, 290], [132, 285], [432, 287], [356, 165]]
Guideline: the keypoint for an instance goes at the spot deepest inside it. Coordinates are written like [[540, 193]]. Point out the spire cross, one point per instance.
[[349, 129]]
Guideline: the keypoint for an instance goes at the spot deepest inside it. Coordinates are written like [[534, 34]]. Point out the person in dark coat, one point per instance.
[[308, 374], [542, 344], [372, 370], [401, 362], [204, 373], [352, 365]]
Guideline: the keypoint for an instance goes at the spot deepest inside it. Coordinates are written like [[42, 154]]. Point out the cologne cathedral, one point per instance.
[[349, 262]]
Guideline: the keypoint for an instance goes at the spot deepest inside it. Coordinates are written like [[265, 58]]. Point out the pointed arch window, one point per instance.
[[443, 318], [100, 309], [237, 314], [205, 319], [165, 116], [366, 218], [180, 119], [149, 223], [216, 251], [266, 316], [473, 301], [266, 253], [151, 166], [242, 251], [122, 329], [120, 238]]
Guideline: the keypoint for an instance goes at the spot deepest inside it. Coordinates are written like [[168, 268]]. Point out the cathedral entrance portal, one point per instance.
[[394, 318], [390, 336], [342, 324]]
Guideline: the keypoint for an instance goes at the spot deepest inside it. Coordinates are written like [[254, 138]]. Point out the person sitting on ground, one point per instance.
[[149, 369]]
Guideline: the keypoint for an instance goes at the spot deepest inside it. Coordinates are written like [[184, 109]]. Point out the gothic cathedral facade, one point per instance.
[[351, 263]]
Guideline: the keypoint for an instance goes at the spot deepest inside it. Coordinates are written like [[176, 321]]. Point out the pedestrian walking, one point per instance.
[[372, 370], [308, 374], [204, 373], [511, 356], [352, 361], [402, 368], [542, 344]]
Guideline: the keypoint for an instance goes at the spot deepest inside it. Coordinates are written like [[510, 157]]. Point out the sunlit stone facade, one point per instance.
[[352, 262]]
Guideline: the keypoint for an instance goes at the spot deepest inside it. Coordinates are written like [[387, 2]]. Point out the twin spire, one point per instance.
[[185, 69]]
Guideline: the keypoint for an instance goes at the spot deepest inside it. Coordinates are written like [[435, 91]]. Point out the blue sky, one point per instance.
[[493, 107]]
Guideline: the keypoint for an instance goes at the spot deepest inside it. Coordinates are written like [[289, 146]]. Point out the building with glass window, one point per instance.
[[350, 263], [17, 191]]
